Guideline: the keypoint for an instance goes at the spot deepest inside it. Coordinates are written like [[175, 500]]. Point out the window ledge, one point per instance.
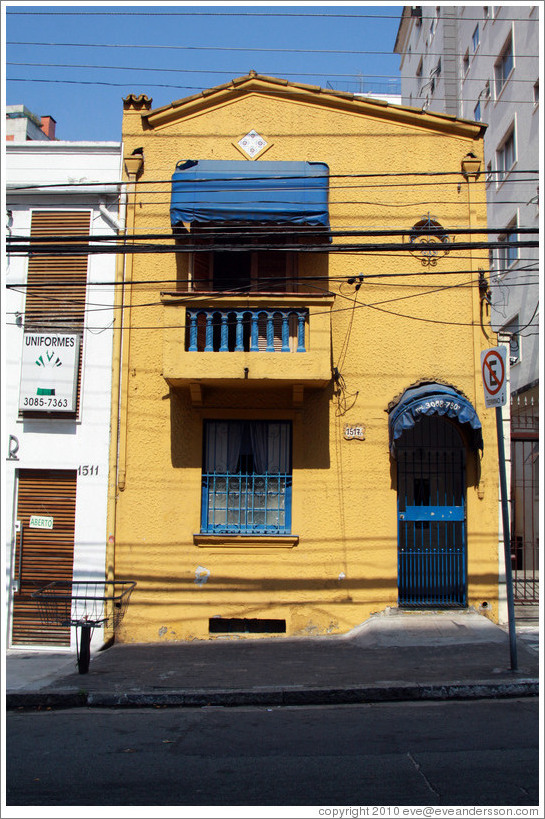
[[246, 541], [206, 297]]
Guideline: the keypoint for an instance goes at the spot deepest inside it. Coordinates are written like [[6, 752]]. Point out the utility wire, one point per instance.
[[238, 233], [187, 297], [291, 177], [66, 249], [282, 14], [363, 249], [21, 189], [363, 52], [353, 75], [369, 278], [382, 204], [199, 88]]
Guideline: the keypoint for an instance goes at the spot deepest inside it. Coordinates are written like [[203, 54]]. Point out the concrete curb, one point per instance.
[[486, 689]]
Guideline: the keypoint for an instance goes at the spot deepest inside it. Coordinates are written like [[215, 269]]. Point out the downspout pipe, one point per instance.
[[119, 356], [133, 166]]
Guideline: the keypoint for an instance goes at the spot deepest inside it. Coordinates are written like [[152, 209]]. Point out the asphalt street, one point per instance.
[[481, 752]]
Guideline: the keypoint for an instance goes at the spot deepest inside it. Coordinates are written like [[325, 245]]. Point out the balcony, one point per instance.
[[225, 330], [228, 341]]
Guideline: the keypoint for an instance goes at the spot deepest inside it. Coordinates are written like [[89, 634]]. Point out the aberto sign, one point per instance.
[[494, 373]]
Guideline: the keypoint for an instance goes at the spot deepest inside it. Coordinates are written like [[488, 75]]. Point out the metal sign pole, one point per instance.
[[506, 543], [494, 369]]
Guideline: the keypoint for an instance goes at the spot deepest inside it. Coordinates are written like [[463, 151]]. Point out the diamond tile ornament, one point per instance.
[[252, 143]]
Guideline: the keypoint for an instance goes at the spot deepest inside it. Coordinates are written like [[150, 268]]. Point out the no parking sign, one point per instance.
[[494, 372]]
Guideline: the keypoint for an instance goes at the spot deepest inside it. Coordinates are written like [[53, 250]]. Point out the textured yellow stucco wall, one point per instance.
[[341, 564]]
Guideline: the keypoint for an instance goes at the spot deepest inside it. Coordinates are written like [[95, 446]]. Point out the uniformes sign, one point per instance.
[[49, 371]]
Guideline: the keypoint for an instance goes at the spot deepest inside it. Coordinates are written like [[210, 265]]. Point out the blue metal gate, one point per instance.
[[432, 568]]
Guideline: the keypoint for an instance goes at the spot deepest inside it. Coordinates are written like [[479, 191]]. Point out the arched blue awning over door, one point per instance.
[[434, 399]]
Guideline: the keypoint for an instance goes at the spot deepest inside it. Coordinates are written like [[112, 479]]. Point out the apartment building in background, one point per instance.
[[57, 364], [482, 63]]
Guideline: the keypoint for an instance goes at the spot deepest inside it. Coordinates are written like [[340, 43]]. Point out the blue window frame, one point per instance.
[[246, 478]]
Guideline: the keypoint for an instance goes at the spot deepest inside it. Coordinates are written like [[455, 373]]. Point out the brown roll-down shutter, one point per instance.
[[56, 285], [48, 554]]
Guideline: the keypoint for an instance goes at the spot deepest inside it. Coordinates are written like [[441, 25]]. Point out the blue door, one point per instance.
[[431, 482]]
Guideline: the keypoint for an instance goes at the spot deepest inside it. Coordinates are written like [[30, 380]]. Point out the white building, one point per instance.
[[22, 125], [482, 63], [58, 310]]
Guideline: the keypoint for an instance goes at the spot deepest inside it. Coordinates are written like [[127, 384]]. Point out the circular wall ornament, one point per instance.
[[429, 241]]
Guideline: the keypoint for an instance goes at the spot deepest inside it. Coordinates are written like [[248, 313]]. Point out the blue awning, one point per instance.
[[293, 193], [434, 399]]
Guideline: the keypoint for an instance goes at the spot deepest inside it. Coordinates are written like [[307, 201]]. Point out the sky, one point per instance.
[[62, 61]]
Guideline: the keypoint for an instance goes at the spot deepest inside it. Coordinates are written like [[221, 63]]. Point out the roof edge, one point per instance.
[[254, 82]]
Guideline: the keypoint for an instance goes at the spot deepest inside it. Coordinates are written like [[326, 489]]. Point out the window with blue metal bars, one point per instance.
[[246, 479]]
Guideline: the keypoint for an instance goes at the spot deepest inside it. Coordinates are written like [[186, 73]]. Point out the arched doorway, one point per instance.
[[431, 482], [431, 426]]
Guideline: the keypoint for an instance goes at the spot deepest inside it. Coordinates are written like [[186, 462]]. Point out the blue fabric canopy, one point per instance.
[[433, 399], [280, 192]]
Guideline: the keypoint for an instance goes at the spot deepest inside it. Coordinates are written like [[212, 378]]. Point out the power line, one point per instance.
[[368, 277], [271, 14], [35, 251], [512, 176], [383, 204], [241, 233], [179, 87], [36, 288], [161, 70], [199, 88], [233, 291], [363, 52]]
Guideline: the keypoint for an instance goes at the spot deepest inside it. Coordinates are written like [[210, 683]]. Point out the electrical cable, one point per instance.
[[369, 278], [282, 14], [242, 233], [34, 250], [511, 175], [245, 49], [390, 77], [199, 88]]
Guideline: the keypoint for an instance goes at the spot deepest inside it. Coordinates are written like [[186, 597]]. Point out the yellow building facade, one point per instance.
[[299, 431]]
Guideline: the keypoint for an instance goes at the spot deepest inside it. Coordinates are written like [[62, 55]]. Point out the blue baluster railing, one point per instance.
[[253, 330]]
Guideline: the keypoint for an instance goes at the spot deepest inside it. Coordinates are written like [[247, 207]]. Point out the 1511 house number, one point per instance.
[[354, 432], [87, 469]]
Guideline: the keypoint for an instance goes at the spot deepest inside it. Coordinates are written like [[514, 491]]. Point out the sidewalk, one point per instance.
[[395, 657]]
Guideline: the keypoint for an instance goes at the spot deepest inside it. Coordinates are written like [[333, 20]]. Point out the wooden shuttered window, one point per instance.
[[56, 285], [260, 270], [46, 555]]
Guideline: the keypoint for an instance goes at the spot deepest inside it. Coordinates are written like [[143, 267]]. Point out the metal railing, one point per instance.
[[246, 503], [271, 330]]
